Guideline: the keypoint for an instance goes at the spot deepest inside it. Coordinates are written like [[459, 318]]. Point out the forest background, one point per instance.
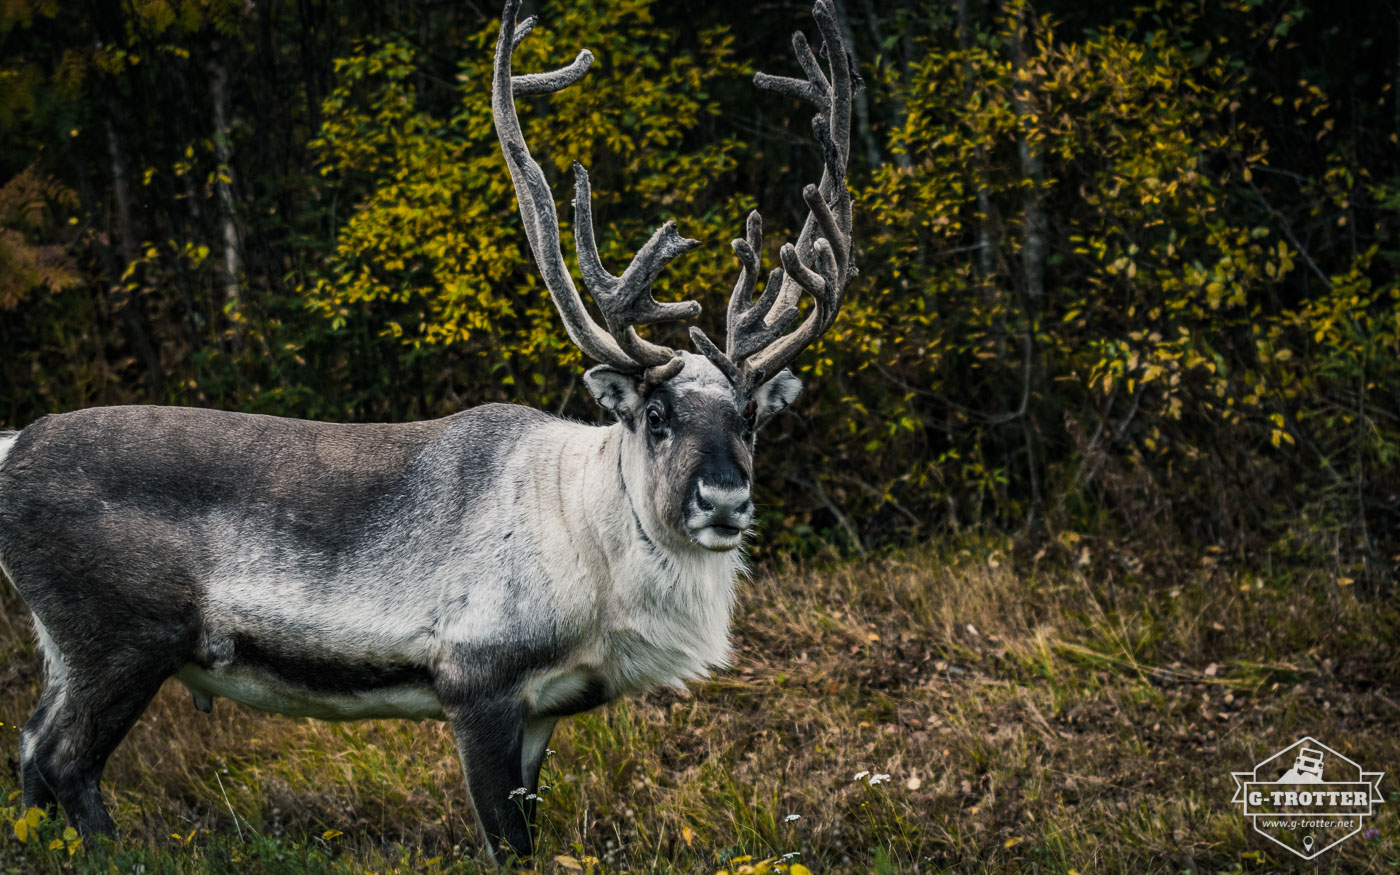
[[1128, 270]]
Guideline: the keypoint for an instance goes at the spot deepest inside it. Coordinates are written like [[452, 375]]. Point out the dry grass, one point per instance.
[[1033, 718]]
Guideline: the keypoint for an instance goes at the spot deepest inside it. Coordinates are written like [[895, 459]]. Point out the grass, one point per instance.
[[1052, 717]]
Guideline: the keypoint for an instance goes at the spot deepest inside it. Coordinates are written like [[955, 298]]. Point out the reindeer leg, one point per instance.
[[490, 734], [37, 780], [72, 733], [537, 733], [95, 688]]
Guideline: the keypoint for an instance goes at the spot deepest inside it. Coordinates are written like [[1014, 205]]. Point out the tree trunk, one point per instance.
[[986, 249], [896, 92], [121, 301], [1033, 248], [223, 153]]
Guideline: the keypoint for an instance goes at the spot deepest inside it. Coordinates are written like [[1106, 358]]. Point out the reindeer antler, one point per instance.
[[756, 347], [821, 263], [625, 300]]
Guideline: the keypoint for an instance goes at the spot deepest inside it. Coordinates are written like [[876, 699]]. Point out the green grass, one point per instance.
[[1033, 717]]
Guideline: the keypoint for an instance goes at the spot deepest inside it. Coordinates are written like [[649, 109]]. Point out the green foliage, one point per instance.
[[1177, 349], [1123, 270], [433, 255]]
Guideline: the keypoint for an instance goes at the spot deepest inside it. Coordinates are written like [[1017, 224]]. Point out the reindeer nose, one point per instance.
[[730, 507]]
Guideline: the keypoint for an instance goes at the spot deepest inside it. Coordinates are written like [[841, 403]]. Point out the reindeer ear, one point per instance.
[[615, 390], [775, 395]]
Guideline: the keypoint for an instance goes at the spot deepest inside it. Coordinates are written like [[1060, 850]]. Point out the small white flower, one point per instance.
[[532, 796], [518, 791], [860, 775], [788, 856], [792, 817], [876, 779], [549, 751]]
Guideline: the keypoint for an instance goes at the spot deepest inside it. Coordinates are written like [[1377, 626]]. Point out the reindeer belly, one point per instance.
[[340, 693]]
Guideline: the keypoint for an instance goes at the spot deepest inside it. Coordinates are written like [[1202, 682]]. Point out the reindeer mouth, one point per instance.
[[718, 538]]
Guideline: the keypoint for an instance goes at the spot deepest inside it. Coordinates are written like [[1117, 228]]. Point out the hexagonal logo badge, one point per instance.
[[1307, 797]]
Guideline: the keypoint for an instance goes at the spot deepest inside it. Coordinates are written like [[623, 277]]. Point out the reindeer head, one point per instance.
[[689, 420]]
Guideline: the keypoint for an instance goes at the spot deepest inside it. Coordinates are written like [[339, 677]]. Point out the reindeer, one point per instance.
[[498, 569]]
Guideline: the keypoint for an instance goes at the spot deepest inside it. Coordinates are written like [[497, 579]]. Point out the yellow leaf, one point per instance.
[[55, 844], [22, 830], [688, 835], [1013, 842], [331, 833], [33, 816], [799, 869], [569, 863]]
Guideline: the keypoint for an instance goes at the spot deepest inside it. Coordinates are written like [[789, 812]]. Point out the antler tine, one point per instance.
[[522, 30], [747, 249], [836, 236], [625, 300], [816, 90], [725, 364], [832, 128], [756, 342], [747, 327], [823, 288]]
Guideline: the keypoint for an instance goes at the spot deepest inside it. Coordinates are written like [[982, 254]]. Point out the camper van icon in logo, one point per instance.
[[1314, 804]]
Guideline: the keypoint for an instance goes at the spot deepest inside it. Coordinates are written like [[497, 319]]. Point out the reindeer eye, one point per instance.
[[654, 419]]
